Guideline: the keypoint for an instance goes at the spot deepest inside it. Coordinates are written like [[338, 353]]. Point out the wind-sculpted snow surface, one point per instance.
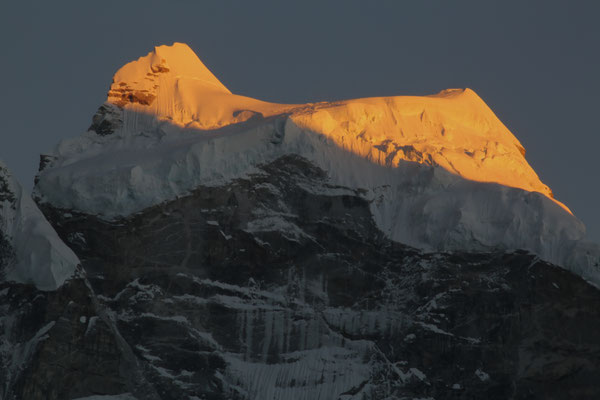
[[440, 172], [30, 249]]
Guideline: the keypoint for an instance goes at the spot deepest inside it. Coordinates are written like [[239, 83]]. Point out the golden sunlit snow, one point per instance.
[[453, 129]]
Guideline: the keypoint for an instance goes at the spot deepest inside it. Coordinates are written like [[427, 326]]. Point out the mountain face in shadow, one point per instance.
[[308, 300]]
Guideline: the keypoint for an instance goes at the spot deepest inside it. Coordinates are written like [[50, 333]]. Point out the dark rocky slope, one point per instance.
[[280, 287]]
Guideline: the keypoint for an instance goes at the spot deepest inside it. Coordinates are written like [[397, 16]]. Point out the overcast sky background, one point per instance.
[[535, 63]]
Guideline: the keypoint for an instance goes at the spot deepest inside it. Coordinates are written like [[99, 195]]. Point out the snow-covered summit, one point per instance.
[[139, 80], [442, 172], [33, 252], [170, 87]]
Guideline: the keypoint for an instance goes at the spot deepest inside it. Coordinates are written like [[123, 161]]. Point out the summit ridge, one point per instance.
[[454, 129]]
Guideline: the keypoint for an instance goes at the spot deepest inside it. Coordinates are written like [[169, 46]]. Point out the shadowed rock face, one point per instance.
[[55, 345], [268, 288], [7, 254], [107, 119]]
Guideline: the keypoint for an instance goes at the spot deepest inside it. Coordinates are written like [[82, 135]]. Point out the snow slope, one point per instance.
[[441, 172], [38, 255]]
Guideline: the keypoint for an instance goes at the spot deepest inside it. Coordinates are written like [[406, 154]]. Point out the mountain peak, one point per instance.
[[440, 171], [139, 80]]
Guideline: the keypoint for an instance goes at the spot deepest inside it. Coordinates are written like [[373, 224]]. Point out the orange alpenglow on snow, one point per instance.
[[453, 129]]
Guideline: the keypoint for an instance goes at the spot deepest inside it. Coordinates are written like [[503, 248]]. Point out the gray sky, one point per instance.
[[536, 64]]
